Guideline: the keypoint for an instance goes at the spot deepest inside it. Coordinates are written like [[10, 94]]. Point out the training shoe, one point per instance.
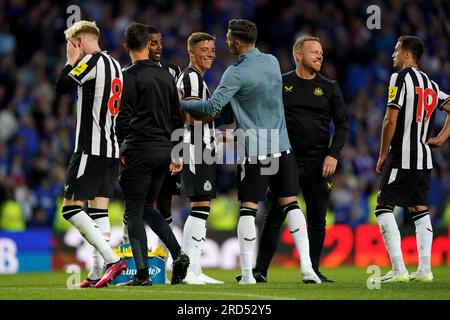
[[310, 276], [111, 273], [421, 276], [192, 278], [209, 280], [179, 268], [259, 277], [323, 278], [135, 281], [393, 277], [88, 283]]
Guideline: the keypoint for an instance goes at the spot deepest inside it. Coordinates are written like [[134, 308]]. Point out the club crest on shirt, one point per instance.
[[318, 91], [207, 186], [288, 88]]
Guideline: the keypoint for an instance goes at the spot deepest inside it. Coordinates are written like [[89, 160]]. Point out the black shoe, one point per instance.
[[135, 282], [179, 268], [259, 277], [323, 278]]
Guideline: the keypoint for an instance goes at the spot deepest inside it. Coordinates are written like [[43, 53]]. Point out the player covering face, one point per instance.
[[92, 169]]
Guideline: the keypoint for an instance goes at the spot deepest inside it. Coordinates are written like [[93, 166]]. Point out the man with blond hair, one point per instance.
[[93, 167]]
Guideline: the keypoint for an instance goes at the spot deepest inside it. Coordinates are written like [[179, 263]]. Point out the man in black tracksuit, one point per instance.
[[150, 97], [311, 103], [171, 183]]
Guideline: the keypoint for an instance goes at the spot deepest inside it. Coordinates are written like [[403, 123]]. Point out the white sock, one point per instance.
[[424, 238], [193, 235], [297, 227], [391, 237], [98, 262], [246, 231], [91, 232], [198, 265]]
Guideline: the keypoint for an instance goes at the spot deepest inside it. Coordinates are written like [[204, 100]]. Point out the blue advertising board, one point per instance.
[[28, 251]]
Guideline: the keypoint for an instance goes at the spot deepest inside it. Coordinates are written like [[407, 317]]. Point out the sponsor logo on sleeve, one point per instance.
[[79, 69], [392, 93]]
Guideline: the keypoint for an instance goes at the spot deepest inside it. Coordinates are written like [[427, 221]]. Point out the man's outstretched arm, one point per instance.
[[228, 86]]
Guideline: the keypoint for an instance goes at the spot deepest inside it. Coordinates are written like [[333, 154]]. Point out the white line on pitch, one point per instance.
[[168, 291]]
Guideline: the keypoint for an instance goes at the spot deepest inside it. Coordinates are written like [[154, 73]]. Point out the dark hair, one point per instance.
[[136, 36], [412, 44], [152, 30], [197, 37], [244, 30]]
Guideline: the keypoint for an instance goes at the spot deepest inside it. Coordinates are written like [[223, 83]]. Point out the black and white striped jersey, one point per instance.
[[416, 96], [191, 85], [99, 80], [174, 70]]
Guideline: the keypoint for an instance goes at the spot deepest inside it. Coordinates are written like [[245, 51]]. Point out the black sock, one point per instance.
[[270, 235], [161, 228], [316, 236], [142, 274]]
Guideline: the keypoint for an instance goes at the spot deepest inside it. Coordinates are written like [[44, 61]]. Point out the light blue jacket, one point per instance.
[[253, 87]]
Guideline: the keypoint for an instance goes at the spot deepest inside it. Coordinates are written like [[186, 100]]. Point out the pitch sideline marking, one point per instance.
[[168, 291]]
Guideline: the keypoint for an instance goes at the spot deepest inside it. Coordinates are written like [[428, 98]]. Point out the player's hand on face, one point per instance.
[[380, 164], [176, 166], [73, 52], [329, 166]]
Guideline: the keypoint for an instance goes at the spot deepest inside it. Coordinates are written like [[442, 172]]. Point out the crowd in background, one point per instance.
[[37, 128]]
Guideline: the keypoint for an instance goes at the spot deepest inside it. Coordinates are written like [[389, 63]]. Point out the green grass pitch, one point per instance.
[[284, 284]]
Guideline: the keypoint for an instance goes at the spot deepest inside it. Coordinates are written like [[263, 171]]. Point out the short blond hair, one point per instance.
[[301, 40], [82, 27]]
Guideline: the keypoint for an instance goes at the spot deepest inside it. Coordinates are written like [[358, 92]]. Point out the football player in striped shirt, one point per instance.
[[92, 170], [405, 157], [198, 177]]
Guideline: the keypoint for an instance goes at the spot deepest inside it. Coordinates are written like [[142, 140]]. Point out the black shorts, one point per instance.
[[277, 173], [403, 187], [198, 182], [89, 176]]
